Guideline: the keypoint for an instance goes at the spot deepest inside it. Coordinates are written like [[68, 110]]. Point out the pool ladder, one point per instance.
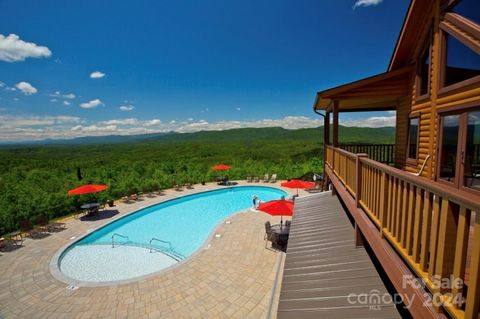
[[167, 250], [119, 235]]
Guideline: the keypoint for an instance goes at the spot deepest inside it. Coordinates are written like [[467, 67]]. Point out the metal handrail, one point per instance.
[[119, 235], [162, 241]]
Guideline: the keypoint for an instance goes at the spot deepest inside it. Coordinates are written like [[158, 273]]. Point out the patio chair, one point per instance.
[[269, 234], [256, 179], [27, 228], [265, 178], [50, 227], [273, 178], [10, 242], [249, 179]]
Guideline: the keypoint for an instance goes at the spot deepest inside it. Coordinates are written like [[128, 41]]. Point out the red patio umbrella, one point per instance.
[[296, 183], [281, 207], [87, 189], [221, 167]]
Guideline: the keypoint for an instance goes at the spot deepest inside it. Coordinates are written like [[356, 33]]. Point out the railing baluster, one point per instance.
[[417, 226], [410, 219], [473, 295], [461, 251], [426, 230], [434, 236], [446, 242]]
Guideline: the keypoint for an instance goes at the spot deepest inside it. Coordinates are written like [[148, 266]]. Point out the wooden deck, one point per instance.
[[323, 268]]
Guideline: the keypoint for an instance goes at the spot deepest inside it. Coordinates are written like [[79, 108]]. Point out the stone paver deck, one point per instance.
[[232, 279]]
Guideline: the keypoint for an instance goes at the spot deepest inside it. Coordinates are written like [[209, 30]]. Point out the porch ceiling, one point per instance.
[[379, 92]]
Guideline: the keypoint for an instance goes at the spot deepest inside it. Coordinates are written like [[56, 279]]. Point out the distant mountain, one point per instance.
[[346, 134]]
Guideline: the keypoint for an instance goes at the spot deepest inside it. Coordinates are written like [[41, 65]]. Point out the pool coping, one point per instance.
[[54, 266]]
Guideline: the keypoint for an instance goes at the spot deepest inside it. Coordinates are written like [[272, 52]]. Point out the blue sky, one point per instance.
[[183, 65]]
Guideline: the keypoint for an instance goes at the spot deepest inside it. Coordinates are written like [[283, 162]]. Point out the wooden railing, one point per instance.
[[383, 153], [435, 230]]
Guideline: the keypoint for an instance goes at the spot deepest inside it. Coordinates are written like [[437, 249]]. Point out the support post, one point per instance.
[[358, 237], [335, 123]]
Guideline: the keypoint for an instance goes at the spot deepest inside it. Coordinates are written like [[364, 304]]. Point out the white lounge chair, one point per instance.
[[273, 178]]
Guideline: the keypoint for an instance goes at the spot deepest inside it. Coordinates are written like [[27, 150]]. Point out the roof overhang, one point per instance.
[[376, 93], [417, 16]]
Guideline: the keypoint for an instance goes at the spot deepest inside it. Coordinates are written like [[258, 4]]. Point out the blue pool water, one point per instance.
[[185, 222]]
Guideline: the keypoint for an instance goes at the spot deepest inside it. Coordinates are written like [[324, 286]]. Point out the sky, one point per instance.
[[80, 67]]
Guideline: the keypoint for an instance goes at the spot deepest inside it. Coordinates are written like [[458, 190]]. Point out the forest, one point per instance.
[[35, 178]]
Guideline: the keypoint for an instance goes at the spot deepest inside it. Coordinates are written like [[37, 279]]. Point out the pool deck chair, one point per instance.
[[249, 179], [273, 178], [265, 178]]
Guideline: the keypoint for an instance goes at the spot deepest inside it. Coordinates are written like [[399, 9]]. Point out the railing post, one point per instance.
[[358, 177], [384, 193]]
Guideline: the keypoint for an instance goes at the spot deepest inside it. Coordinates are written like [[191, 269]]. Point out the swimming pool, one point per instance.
[[124, 249]]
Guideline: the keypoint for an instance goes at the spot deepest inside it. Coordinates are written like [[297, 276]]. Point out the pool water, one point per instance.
[[185, 223]]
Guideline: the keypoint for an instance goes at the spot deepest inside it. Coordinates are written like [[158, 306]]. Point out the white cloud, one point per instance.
[[2, 84], [91, 104], [129, 121], [66, 103], [13, 49], [366, 3], [26, 88], [127, 108], [53, 100], [237, 108], [16, 128], [97, 75], [58, 94], [374, 121], [153, 122], [92, 129], [9, 88]]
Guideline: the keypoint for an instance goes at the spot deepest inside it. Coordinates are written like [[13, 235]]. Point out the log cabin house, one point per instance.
[[416, 204]]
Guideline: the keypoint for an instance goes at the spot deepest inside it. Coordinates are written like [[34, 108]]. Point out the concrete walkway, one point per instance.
[[232, 279]]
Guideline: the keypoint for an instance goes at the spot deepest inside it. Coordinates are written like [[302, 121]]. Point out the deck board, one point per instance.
[[323, 267]]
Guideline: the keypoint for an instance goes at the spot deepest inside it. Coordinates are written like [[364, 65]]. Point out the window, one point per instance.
[[471, 172], [449, 139], [461, 63], [424, 72], [413, 128], [459, 152], [469, 9]]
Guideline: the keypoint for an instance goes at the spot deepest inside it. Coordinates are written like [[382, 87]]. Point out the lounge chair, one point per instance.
[[50, 227], [315, 189], [27, 228], [256, 179], [265, 178], [273, 178], [10, 241], [249, 179]]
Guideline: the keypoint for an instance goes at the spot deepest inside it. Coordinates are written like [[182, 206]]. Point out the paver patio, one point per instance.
[[233, 278]]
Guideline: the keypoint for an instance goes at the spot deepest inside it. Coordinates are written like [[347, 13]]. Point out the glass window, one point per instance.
[[448, 156], [472, 152], [462, 63], [469, 9], [424, 72], [413, 137]]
